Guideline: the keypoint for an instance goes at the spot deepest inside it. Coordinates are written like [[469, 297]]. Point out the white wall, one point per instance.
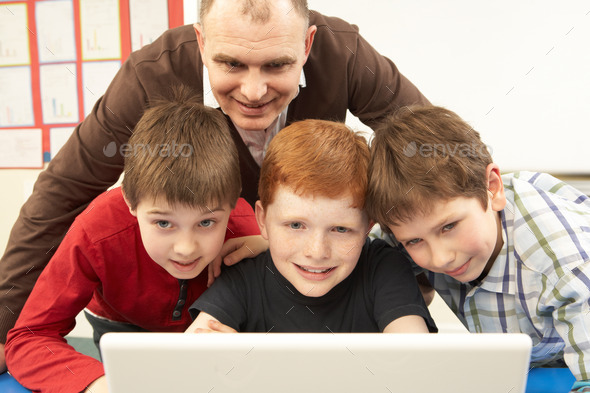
[[516, 70]]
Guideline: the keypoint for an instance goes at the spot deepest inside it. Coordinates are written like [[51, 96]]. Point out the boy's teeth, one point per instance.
[[314, 270]]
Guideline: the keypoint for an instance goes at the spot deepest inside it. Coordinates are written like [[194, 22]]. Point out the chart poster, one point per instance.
[[14, 35], [59, 93], [96, 77], [148, 20], [16, 101], [58, 137], [100, 29], [21, 148], [55, 31]]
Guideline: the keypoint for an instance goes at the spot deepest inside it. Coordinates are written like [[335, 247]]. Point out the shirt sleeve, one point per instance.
[[376, 85], [394, 286], [242, 221], [225, 300], [37, 354], [569, 298]]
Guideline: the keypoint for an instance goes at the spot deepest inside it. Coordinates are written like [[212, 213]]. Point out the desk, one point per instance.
[[549, 380], [540, 380], [9, 385]]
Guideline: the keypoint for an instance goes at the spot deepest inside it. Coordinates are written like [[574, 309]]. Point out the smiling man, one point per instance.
[[261, 62]]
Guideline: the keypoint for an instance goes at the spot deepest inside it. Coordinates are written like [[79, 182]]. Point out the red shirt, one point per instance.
[[101, 260]]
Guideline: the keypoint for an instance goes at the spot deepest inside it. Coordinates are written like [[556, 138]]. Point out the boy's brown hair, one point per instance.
[[316, 158], [420, 155], [183, 152]]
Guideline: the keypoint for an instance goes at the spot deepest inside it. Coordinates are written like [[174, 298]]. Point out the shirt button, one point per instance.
[[180, 302], [176, 314]]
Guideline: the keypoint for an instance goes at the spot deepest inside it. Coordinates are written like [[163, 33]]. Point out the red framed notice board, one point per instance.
[[57, 57]]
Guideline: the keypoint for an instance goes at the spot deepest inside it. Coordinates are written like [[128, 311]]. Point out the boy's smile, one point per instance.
[[315, 242], [181, 239], [458, 238]]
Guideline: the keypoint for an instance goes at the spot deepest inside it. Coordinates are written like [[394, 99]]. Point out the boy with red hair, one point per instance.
[[321, 274]]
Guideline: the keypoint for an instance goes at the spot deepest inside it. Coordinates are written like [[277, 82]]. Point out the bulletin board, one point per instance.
[[57, 57]]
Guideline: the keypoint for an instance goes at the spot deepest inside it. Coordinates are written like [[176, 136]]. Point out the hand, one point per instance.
[[233, 251], [2, 359], [216, 327], [98, 386]]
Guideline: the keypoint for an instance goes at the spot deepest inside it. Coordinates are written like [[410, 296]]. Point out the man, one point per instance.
[[266, 63]]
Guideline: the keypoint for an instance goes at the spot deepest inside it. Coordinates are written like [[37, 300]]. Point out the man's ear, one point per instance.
[[132, 211], [309, 36], [200, 40], [495, 187], [261, 219]]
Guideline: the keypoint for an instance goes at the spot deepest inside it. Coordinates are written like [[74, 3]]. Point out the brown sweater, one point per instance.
[[343, 72]]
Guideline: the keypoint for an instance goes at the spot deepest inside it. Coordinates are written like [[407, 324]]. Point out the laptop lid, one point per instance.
[[315, 362]]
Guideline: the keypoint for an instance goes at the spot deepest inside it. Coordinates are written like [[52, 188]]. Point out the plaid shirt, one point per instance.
[[540, 282]]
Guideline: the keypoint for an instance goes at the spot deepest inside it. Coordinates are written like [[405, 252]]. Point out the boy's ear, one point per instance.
[[495, 187], [132, 211], [371, 225], [261, 219]]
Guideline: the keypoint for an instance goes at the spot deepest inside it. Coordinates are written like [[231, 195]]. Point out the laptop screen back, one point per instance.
[[310, 362]]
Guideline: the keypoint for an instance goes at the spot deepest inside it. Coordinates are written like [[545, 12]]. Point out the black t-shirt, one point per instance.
[[253, 296]]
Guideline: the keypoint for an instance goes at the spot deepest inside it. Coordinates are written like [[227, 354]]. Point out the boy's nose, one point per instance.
[[185, 246], [317, 247], [254, 86], [442, 258]]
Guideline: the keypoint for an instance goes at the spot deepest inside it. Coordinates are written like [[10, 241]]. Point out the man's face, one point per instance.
[[315, 242], [254, 68]]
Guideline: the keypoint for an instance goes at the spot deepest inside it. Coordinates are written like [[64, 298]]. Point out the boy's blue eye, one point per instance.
[[295, 225], [448, 227], [206, 223], [341, 229], [413, 242], [163, 224]]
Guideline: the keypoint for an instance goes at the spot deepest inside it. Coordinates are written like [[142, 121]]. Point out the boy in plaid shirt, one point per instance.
[[507, 253]]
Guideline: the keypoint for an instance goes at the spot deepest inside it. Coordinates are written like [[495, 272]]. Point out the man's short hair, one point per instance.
[[316, 158], [183, 152], [259, 10], [420, 155]]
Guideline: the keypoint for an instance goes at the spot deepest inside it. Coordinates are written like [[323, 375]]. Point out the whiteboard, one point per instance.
[[517, 70]]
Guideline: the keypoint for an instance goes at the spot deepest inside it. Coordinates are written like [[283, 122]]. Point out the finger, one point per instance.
[[231, 245], [217, 266], [220, 327], [239, 254], [203, 330], [210, 274]]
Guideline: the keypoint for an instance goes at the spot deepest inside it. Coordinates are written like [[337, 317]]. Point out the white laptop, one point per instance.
[[315, 362]]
